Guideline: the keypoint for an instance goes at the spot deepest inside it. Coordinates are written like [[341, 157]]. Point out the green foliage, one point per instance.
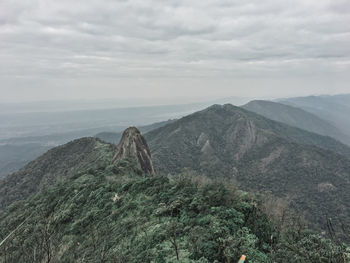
[[112, 214], [309, 247], [260, 155], [55, 165]]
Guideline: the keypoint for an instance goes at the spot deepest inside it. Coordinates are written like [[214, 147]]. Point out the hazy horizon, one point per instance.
[[166, 100], [73, 104]]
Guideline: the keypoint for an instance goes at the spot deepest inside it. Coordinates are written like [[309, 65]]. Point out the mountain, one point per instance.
[[261, 155], [226, 142], [296, 117], [334, 109], [110, 214], [86, 207], [56, 164], [133, 146]]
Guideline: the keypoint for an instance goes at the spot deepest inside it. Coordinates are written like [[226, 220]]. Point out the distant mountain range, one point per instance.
[[334, 109], [296, 117]]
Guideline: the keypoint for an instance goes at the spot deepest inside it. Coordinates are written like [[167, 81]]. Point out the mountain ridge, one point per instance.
[[296, 117], [333, 108]]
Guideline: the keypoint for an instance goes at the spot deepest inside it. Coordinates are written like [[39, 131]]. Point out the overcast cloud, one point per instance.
[[119, 48]]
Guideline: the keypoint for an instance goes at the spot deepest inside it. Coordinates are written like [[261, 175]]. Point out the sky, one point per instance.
[[153, 49]]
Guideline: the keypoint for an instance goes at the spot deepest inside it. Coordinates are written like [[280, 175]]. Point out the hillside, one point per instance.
[[335, 109], [113, 215], [296, 117], [16, 152], [60, 162], [260, 155]]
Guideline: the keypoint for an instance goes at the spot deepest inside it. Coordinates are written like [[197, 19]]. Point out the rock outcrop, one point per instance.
[[134, 146]]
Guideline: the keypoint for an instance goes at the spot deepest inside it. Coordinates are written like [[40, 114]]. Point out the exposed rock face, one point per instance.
[[133, 145]]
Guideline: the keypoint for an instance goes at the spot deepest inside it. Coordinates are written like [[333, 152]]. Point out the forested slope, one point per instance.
[[113, 215], [56, 164], [260, 155]]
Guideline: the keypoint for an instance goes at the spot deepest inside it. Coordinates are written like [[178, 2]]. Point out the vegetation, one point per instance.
[[260, 155], [73, 205], [56, 164], [109, 214]]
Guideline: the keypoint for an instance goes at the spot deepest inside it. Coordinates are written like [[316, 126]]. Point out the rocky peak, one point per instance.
[[133, 145]]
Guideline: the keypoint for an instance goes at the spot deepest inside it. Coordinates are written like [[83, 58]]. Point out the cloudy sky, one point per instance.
[[53, 50]]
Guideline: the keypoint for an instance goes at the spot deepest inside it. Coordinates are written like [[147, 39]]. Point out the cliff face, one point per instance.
[[133, 145]]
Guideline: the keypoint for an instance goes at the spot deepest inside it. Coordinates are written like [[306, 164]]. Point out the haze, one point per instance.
[[94, 49]]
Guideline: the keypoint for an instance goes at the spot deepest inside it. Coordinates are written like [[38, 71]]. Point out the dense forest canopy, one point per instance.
[[112, 214]]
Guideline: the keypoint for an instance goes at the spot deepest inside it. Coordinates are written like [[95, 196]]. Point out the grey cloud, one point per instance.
[[67, 42]]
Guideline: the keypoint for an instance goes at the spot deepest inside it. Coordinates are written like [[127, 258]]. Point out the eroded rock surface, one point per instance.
[[133, 145]]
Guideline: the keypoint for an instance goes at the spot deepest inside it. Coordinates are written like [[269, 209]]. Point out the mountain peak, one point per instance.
[[133, 145]]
